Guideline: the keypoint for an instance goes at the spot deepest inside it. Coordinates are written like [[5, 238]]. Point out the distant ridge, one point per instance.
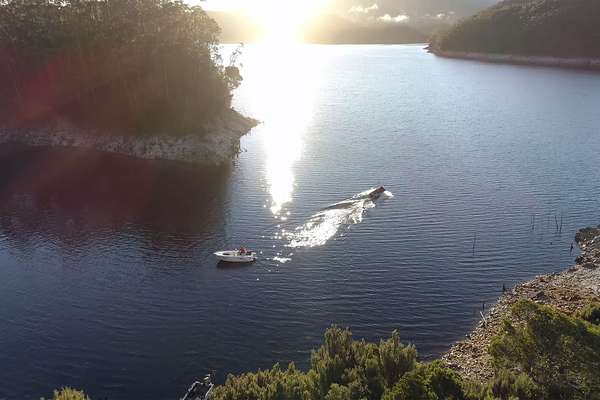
[[326, 29], [331, 29], [537, 28]]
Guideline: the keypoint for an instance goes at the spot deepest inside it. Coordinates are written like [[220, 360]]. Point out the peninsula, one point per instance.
[[560, 33], [138, 78]]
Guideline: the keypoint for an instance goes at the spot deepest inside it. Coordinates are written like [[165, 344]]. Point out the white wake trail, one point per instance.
[[326, 223]]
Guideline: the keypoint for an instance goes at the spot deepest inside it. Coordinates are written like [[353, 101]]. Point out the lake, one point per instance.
[[107, 278]]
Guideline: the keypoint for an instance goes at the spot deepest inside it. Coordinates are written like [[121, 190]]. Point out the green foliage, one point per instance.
[[510, 385], [134, 66], [273, 384], [337, 392], [341, 368], [559, 354], [431, 381], [396, 359], [69, 394], [562, 28], [591, 313]]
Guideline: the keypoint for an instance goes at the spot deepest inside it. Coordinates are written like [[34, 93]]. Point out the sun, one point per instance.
[[283, 21], [278, 20]]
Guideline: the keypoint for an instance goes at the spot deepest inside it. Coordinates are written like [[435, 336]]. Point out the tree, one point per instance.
[[556, 28], [132, 66]]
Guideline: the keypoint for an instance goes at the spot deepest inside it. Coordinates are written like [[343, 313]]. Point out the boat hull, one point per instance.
[[235, 257]]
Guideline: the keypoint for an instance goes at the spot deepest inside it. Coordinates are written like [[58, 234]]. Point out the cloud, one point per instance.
[[444, 15], [363, 10], [397, 19]]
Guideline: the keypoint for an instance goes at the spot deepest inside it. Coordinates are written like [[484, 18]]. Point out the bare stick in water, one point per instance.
[[560, 227], [483, 318]]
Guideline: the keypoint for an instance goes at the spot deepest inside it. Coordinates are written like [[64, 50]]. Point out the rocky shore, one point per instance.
[[215, 148], [579, 63], [568, 291]]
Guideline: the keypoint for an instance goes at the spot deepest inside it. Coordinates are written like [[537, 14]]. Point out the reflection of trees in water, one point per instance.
[[74, 197]]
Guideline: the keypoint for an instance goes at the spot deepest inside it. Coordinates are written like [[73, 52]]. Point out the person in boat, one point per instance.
[[243, 250]]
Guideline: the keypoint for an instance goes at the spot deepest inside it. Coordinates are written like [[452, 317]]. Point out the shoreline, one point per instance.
[[592, 64], [218, 147], [568, 291]]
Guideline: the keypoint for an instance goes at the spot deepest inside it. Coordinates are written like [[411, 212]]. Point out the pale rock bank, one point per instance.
[[218, 146], [568, 291], [578, 63]]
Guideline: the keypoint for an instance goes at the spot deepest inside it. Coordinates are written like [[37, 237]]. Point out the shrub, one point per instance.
[[68, 393], [431, 381], [591, 313], [395, 359], [341, 368], [559, 354], [508, 385], [338, 392]]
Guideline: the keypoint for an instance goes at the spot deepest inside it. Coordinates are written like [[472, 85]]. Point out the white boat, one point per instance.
[[200, 390], [236, 256]]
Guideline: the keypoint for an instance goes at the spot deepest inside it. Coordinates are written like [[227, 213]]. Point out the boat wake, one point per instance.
[[325, 224]]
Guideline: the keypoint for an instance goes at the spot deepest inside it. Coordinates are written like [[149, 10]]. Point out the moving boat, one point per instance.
[[376, 193], [200, 390], [237, 256]]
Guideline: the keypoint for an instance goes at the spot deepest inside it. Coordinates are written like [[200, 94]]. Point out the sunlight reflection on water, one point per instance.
[[284, 104]]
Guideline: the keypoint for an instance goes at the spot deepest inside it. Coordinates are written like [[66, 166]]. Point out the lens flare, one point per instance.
[[283, 21]]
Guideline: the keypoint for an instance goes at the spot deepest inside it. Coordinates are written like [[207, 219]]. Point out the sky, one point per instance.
[[286, 18], [415, 7]]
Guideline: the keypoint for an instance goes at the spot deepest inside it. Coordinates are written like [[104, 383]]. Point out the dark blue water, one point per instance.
[[107, 279]]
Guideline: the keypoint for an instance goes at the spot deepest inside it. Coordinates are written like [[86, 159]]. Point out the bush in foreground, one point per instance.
[[344, 369], [560, 355], [540, 354], [591, 313], [544, 355], [68, 393]]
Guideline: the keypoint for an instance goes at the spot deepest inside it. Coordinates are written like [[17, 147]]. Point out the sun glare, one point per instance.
[[282, 96], [279, 21], [282, 21]]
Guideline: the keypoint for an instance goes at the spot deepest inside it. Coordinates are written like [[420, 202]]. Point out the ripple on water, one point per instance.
[[107, 276]]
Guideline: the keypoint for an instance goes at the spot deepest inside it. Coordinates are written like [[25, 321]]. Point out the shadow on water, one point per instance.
[[129, 235], [74, 197], [233, 266]]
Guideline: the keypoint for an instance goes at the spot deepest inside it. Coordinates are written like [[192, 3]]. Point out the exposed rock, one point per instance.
[[578, 63], [568, 291], [218, 146]]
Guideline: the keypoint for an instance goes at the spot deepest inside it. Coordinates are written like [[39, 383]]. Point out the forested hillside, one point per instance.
[[559, 28], [144, 66]]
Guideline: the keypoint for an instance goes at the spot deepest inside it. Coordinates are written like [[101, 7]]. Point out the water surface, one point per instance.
[[106, 276]]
